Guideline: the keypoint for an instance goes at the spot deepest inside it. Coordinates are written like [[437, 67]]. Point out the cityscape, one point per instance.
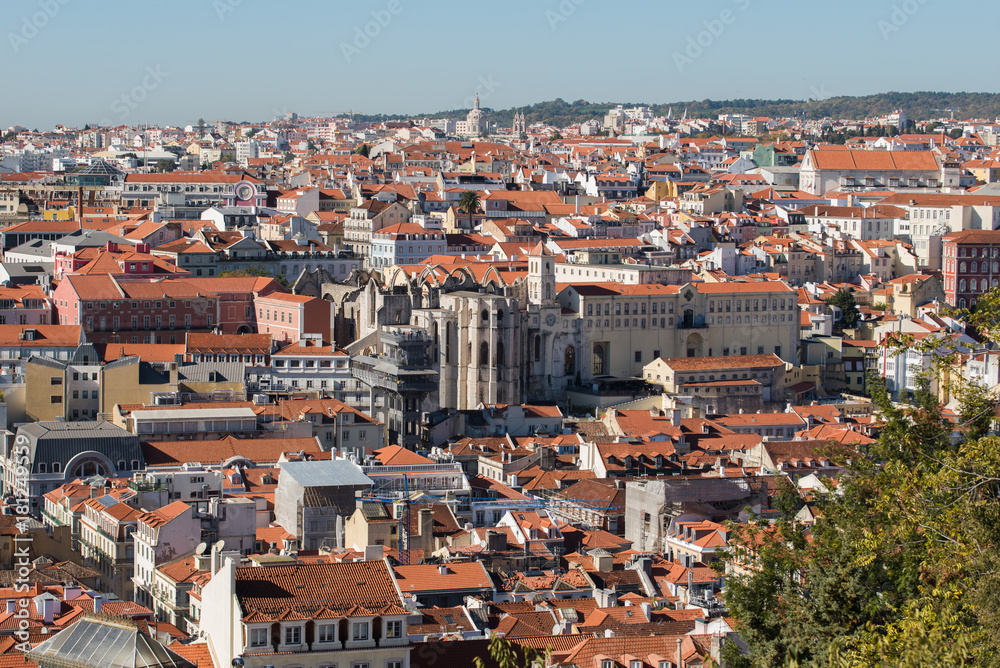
[[675, 382]]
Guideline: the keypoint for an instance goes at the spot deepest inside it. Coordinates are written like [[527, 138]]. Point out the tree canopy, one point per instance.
[[901, 567], [843, 299]]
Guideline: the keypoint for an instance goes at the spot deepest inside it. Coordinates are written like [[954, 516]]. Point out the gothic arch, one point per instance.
[[569, 361], [600, 367]]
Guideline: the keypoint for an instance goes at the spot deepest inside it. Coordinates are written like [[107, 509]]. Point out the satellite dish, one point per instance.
[[200, 550], [220, 545]]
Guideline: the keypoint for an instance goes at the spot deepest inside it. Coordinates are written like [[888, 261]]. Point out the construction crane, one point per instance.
[[952, 111]]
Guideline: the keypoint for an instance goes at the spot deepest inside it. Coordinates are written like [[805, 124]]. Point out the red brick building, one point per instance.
[[971, 265], [112, 310]]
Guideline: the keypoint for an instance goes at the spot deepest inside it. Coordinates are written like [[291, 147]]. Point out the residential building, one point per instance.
[[348, 614], [971, 265]]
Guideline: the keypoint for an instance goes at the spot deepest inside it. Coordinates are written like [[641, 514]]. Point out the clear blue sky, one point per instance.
[[252, 59]]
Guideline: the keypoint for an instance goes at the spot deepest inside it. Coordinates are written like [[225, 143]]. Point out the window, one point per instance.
[[293, 635], [359, 631], [638, 356], [326, 632], [394, 629], [55, 399], [55, 380], [258, 637]]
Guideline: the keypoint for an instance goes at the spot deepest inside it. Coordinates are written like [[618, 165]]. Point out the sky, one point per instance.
[[171, 63]]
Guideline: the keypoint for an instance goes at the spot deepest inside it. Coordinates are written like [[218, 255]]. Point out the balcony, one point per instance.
[[148, 486]]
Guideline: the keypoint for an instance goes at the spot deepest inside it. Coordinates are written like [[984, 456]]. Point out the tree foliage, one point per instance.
[[511, 655], [901, 569], [849, 312], [254, 271], [469, 202]]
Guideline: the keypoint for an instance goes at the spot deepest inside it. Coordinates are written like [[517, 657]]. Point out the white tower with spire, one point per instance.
[[475, 120]]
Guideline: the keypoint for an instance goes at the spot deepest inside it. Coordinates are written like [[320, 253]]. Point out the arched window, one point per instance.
[[484, 354], [500, 317], [599, 354], [501, 357], [961, 267], [961, 285], [974, 267], [973, 285], [485, 316], [569, 361], [447, 342], [89, 468], [548, 291], [538, 348]]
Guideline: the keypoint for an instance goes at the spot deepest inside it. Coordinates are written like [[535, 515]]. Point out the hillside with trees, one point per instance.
[[923, 105]]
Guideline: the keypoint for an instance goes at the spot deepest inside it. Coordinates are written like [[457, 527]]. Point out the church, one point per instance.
[[475, 124], [501, 334]]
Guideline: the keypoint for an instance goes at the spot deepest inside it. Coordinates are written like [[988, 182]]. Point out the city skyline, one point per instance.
[[174, 68]]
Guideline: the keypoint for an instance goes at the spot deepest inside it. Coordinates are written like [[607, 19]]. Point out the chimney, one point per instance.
[[49, 604], [675, 417], [647, 610], [202, 562], [98, 603], [373, 552], [11, 606], [215, 559], [680, 652], [442, 569], [426, 525]]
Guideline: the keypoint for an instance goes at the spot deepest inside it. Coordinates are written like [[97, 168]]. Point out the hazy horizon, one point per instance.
[[74, 62]]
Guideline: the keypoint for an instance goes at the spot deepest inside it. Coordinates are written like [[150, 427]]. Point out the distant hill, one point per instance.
[[918, 106]]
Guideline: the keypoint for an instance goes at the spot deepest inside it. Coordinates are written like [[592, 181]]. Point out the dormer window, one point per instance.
[[326, 633], [293, 635], [259, 637], [359, 631]]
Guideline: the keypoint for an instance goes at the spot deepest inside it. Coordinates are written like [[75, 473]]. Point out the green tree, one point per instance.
[[201, 126], [164, 166], [258, 270], [364, 150], [902, 566], [469, 203], [984, 317], [849, 312], [511, 655]]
